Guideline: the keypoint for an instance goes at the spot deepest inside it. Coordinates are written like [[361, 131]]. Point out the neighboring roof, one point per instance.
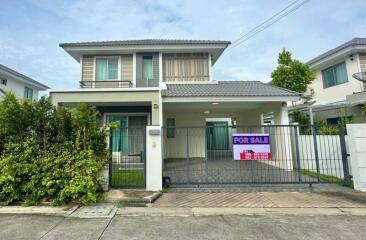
[[352, 43], [23, 77], [227, 89], [144, 42]]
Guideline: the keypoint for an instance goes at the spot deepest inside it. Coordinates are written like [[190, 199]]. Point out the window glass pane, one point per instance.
[[341, 73], [113, 69], [147, 68], [101, 70], [170, 128], [25, 92], [28, 93], [328, 77]]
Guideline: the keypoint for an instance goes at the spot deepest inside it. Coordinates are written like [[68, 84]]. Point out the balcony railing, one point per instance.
[[192, 78], [105, 84]]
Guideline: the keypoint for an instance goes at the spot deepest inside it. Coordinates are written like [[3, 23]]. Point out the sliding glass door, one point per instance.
[[127, 136]]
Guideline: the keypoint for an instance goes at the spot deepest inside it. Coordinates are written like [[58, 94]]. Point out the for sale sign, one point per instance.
[[251, 146]]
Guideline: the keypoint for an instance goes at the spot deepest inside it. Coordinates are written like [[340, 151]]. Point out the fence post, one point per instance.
[[298, 163], [342, 141], [188, 165], [206, 155], [110, 160], [154, 156], [316, 152], [357, 148]]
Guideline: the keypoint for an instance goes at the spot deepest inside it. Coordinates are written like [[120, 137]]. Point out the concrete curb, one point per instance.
[[186, 212], [38, 210]]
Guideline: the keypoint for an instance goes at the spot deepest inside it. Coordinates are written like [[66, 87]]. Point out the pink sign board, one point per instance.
[[251, 146]]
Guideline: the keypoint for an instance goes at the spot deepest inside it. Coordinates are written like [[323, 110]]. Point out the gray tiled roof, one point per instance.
[[351, 43], [32, 81], [226, 89], [143, 42]]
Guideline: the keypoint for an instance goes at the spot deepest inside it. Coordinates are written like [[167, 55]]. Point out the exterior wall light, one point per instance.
[[215, 103]]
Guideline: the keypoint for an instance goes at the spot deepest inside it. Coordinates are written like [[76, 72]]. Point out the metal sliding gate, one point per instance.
[[127, 165], [298, 154]]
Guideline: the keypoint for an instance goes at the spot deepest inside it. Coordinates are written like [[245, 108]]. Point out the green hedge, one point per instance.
[[49, 154]]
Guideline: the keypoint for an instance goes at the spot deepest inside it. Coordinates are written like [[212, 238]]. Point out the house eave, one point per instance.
[[231, 99], [77, 51]]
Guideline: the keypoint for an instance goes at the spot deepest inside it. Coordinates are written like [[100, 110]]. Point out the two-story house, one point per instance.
[[169, 83], [22, 86], [334, 83]]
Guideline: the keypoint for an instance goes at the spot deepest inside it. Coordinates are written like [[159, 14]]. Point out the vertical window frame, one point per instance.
[[170, 131], [148, 57]]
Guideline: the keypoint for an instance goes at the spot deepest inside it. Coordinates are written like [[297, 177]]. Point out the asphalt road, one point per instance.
[[16, 227]]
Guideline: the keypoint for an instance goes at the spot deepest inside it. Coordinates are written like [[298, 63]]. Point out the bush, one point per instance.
[[50, 154]]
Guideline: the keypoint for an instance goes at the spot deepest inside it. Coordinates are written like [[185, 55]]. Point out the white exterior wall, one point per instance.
[[357, 147], [154, 165], [338, 92]]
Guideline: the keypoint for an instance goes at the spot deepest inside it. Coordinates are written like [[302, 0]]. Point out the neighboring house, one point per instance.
[[22, 86], [327, 95], [168, 83]]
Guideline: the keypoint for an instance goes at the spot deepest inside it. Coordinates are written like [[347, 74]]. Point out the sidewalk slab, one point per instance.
[[150, 211], [100, 210]]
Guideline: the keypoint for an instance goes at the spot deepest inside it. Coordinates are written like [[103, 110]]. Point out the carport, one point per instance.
[[199, 120]]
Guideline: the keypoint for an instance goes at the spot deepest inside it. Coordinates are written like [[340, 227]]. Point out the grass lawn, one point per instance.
[[128, 177], [327, 178]]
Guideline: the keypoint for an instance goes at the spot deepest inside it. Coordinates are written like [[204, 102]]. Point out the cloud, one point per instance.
[[31, 30]]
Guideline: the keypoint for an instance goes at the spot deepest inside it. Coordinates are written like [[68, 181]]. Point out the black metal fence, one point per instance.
[[297, 154], [127, 163]]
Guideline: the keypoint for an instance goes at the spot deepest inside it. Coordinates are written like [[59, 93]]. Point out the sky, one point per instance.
[[31, 30]]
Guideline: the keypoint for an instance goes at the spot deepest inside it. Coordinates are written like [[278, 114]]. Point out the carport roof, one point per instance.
[[227, 89]]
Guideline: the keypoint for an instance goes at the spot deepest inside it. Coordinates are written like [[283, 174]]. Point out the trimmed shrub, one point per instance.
[[49, 154]]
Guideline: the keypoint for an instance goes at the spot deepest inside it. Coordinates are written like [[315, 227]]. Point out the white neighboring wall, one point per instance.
[[338, 92], [329, 152], [17, 88], [357, 147]]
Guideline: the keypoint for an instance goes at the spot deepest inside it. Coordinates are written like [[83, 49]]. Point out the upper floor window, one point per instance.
[[106, 69], [147, 68], [28, 93], [335, 75], [3, 81]]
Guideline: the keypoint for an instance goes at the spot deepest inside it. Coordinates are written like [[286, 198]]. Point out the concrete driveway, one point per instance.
[[349, 199], [29, 227]]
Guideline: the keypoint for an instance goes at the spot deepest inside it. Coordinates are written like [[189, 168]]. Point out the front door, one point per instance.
[[217, 136]]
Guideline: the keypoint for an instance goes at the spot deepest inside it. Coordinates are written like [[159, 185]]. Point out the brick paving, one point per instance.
[[262, 200]]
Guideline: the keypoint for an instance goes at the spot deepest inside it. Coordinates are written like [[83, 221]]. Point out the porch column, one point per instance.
[[357, 147], [286, 137], [154, 166]]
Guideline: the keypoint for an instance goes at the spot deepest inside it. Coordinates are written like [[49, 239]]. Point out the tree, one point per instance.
[[291, 73]]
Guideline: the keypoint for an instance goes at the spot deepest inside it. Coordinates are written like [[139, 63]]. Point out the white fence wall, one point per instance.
[[329, 154]]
